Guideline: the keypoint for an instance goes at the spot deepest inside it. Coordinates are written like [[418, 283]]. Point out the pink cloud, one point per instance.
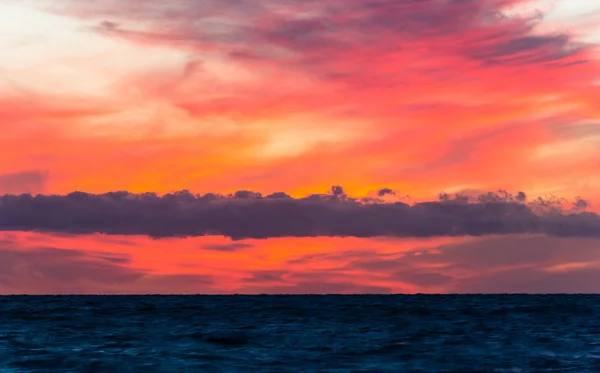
[[35, 263]]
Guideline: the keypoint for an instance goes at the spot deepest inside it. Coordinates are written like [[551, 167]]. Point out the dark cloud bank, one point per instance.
[[250, 215]]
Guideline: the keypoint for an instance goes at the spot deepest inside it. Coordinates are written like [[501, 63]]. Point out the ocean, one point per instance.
[[300, 333]]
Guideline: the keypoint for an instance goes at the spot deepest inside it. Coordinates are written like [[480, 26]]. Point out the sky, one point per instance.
[[299, 146]]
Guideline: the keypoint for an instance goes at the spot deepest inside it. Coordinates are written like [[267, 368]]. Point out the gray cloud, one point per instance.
[[527, 280], [330, 31], [49, 270], [489, 254], [23, 182], [227, 246], [113, 257], [62, 265], [527, 49], [511, 264], [345, 255], [265, 276], [385, 191], [335, 214], [422, 277], [313, 282]]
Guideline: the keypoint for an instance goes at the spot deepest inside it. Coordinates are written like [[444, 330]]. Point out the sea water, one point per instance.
[[312, 333]]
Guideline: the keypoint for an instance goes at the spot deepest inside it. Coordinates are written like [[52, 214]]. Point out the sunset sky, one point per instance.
[[299, 146]]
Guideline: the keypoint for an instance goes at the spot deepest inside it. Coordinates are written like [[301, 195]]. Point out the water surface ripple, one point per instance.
[[329, 333]]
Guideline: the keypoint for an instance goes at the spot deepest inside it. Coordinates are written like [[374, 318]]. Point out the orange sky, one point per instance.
[[294, 97]]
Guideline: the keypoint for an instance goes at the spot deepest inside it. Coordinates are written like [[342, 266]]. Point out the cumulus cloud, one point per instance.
[[249, 215], [384, 192]]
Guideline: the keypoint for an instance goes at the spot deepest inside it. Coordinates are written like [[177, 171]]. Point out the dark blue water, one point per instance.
[[466, 333]]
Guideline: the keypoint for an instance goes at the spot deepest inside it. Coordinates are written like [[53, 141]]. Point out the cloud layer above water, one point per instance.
[[247, 214]]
